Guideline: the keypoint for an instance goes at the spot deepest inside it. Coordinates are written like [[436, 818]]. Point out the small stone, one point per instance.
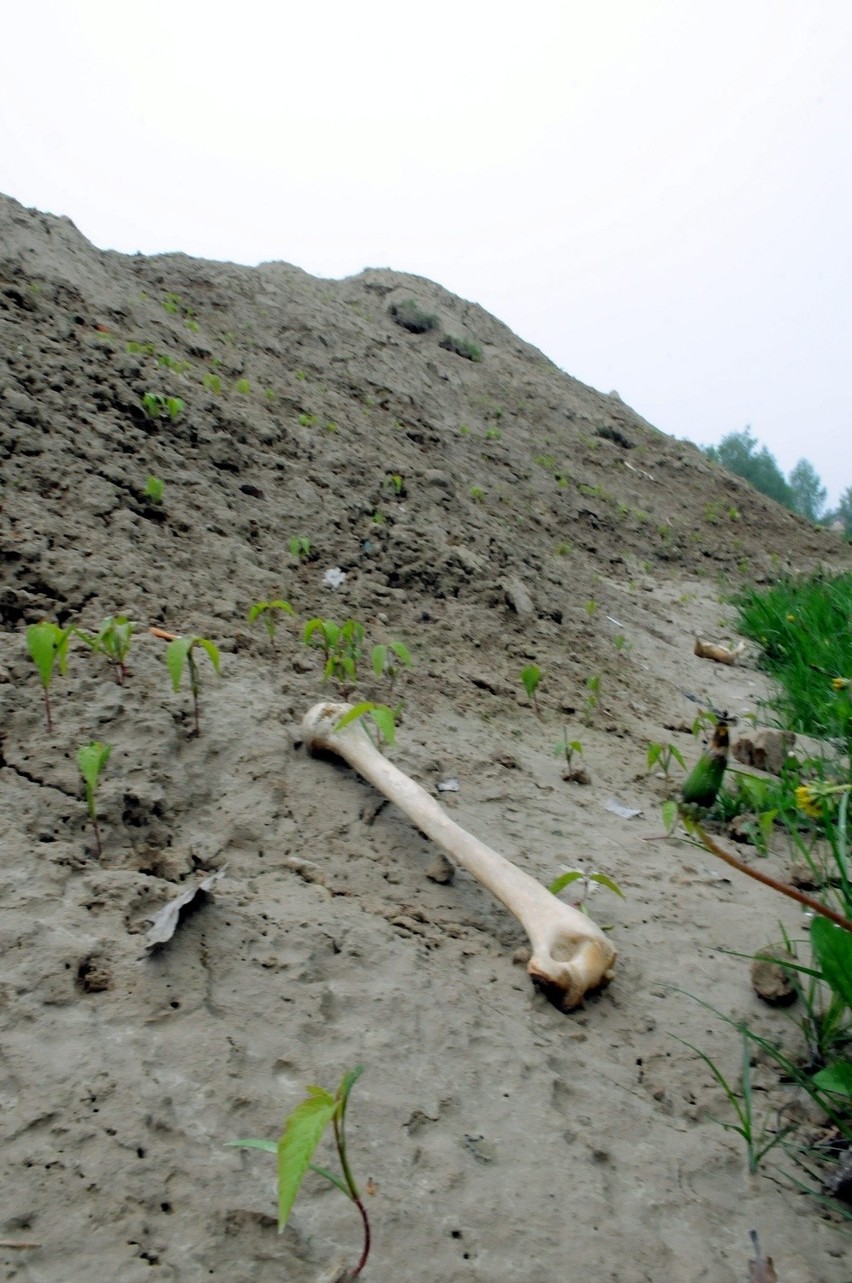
[[518, 598], [522, 955], [441, 870], [771, 981]]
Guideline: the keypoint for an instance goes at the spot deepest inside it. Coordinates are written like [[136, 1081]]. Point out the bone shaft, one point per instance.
[[526, 899]]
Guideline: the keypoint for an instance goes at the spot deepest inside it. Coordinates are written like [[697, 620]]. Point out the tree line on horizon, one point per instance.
[[802, 492]]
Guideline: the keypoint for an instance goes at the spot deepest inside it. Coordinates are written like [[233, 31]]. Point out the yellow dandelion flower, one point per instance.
[[806, 801], [840, 683]]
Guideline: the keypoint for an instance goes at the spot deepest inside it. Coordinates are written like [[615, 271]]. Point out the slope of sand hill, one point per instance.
[[533, 520]]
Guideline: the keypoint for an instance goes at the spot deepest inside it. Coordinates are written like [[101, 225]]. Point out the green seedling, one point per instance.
[[588, 881], [477, 494], [395, 481], [212, 383], [663, 754], [243, 386], [157, 406], [141, 349], [387, 659], [567, 748], [384, 720], [269, 610], [590, 703], [303, 1131], [759, 1139], [300, 547], [47, 644], [531, 678], [112, 640], [167, 362], [91, 759], [591, 608], [154, 490], [342, 649], [307, 420], [179, 655]]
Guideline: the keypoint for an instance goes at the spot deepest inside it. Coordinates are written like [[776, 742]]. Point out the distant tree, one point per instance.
[[740, 454], [843, 512], [809, 494]]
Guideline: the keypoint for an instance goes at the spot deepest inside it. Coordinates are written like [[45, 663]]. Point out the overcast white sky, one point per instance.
[[657, 193]]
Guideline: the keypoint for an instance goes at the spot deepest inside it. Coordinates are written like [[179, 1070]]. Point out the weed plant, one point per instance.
[[802, 628], [303, 1131], [804, 631]]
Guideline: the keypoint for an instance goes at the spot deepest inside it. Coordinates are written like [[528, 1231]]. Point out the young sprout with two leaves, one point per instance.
[[303, 1131], [567, 748], [663, 753], [47, 644], [113, 641], [300, 547], [387, 659], [268, 611], [179, 655], [342, 648], [588, 881], [91, 759], [531, 678]]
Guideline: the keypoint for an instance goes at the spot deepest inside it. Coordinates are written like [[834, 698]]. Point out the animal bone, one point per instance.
[[721, 654], [570, 955]]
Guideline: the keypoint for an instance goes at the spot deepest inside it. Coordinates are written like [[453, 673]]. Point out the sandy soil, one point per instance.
[[537, 521]]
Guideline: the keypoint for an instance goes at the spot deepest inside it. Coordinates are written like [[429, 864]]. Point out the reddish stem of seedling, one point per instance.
[[47, 710], [791, 892], [366, 1252]]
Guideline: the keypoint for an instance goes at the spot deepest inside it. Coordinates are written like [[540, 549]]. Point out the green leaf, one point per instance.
[[835, 1078], [654, 751], [46, 642], [348, 1081], [833, 949], [677, 755], [607, 882], [352, 714], [91, 759], [669, 810], [302, 1133], [176, 655], [330, 1176], [564, 880], [531, 676], [380, 654], [211, 649], [402, 653], [269, 1146], [385, 721]]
